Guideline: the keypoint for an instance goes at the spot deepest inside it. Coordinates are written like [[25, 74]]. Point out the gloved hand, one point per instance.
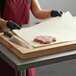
[[12, 25], [55, 13]]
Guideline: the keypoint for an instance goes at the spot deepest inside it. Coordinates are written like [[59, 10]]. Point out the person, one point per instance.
[[13, 13]]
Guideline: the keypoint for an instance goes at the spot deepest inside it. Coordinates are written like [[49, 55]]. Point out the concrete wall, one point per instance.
[[64, 5]]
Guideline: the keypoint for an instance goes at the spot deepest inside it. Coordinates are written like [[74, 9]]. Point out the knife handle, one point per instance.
[[8, 34]]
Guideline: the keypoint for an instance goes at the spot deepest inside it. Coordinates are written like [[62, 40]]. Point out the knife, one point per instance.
[[15, 40]]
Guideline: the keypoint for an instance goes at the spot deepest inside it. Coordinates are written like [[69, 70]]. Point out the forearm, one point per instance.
[[38, 12], [43, 14], [2, 23]]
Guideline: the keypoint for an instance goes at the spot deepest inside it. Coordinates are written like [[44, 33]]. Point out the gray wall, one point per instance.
[[64, 5]]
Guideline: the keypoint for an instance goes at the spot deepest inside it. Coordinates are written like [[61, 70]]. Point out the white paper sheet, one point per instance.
[[63, 28]]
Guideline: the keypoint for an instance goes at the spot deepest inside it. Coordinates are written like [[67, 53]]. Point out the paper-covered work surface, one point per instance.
[[63, 28]]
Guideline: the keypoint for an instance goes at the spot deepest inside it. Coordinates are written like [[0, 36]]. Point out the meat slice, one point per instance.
[[44, 39]]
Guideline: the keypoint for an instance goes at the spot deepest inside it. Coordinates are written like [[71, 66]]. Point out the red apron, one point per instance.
[[17, 11]]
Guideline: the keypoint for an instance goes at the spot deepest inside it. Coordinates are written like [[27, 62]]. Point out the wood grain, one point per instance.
[[33, 52]]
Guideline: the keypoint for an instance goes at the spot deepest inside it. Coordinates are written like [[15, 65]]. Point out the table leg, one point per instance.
[[22, 73]]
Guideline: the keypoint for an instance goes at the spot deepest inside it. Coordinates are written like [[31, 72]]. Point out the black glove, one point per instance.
[[55, 13], [12, 25]]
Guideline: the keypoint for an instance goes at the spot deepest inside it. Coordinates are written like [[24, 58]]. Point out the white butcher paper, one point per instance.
[[63, 28]]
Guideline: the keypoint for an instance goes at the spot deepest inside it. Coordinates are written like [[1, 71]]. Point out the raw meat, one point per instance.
[[44, 39]]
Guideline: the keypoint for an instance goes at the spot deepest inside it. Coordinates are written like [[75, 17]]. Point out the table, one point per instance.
[[20, 65]]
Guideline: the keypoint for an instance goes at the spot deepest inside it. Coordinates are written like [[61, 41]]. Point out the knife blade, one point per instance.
[[15, 40]]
